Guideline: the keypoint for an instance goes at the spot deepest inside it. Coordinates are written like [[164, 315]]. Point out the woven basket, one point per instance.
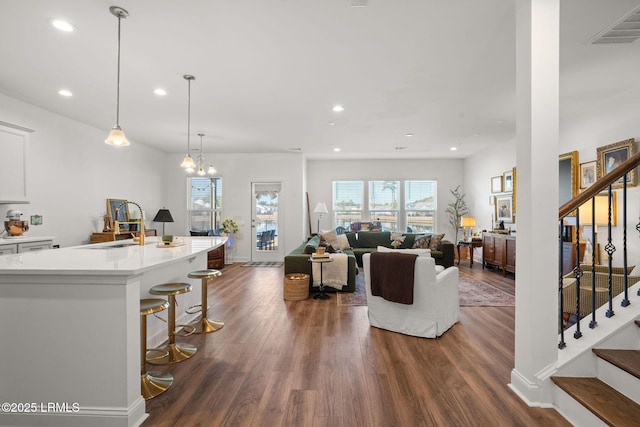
[[296, 287]]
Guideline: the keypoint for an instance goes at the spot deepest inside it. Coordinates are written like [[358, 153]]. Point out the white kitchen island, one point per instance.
[[70, 322]]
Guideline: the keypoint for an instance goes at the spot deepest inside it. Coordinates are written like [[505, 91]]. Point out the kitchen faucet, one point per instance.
[[117, 223]]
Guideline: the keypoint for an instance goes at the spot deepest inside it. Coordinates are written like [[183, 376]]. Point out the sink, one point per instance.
[[116, 246]]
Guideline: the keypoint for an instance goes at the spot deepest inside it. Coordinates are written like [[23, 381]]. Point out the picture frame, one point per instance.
[[123, 213], [504, 208], [496, 184], [612, 155], [587, 174], [507, 179]]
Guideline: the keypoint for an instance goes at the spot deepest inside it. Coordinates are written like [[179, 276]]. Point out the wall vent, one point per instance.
[[625, 30]]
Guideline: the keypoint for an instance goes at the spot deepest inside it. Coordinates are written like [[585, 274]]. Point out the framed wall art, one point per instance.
[[587, 174], [504, 208], [496, 184], [613, 155]]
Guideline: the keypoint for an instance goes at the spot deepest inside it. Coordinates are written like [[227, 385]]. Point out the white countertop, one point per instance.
[[23, 239], [104, 258]]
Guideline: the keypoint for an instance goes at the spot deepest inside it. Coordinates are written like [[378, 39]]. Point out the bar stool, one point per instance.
[[152, 383], [175, 352], [204, 325]]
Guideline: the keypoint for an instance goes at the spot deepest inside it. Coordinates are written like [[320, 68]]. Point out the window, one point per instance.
[[347, 202], [387, 205], [420, 206], [205, 203], [383, 203]]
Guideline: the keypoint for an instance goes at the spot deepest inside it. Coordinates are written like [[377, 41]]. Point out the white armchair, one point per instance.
[[435, 305]]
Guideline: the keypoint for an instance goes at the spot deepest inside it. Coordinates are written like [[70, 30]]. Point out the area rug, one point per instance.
[[472, 293], [262, 264]]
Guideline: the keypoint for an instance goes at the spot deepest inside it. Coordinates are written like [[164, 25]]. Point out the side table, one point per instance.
[[468, 244], [322, 295]]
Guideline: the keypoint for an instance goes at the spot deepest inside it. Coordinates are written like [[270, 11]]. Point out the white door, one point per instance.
[[265, 224]]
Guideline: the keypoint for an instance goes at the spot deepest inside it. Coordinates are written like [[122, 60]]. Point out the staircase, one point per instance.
[[597, 373], [612, 397]]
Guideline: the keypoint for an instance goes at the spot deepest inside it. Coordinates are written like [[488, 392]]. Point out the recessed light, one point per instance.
[[338, 108], [476, 135], [62, 25], [160, 92], [65, 92], [332, 124], [408, 135], [336, 149], [453, 148]]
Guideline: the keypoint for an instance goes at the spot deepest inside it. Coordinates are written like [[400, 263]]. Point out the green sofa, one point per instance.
[[364, 242], [298, 262]]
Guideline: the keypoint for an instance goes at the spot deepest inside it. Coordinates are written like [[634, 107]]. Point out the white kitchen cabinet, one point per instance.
[[29, 244], [14, 144]]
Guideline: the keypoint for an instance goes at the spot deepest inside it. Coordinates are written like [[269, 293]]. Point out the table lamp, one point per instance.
[[601, 216], [163, 216], [467, 222]]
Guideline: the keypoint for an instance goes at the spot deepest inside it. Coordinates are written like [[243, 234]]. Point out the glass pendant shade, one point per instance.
[[188, 163], [211, 170], [201, 171], [116, 137]]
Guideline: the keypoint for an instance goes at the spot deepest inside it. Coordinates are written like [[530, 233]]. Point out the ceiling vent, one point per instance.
[[358, 3], [625, 30]]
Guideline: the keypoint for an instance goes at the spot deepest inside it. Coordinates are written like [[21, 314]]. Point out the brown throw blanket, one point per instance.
[[392, 276]]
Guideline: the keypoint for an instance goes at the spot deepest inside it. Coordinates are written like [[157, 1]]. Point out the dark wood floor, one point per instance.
[[313, 363]]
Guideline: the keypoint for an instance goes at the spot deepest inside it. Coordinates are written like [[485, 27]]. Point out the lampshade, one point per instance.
[[602, 210], [321, 208], [163, 215], [467, 221], [188, 162], [116, 136]]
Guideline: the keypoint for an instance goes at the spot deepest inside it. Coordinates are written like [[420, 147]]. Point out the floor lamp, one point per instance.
[[320, 209]]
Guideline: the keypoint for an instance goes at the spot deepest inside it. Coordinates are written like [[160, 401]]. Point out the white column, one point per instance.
[[537, 77]]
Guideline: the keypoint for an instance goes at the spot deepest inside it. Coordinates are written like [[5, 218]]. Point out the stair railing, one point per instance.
[[574, 278]]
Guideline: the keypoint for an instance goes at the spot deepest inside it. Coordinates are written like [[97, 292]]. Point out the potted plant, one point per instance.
[[229, 226], [456, 210]]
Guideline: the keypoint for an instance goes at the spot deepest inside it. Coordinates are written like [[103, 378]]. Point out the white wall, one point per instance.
[[321, 174], [71, 173], [238, 171], [477, 183]]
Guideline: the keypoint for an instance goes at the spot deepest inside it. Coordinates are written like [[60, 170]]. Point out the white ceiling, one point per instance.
[[269, 71]]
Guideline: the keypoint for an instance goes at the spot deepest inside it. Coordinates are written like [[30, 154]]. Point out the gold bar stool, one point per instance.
[[204, 325], [152, 383], [175, 352]]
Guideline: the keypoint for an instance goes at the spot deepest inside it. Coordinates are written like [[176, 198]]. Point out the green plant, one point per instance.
[[456, 210], [229, 226]]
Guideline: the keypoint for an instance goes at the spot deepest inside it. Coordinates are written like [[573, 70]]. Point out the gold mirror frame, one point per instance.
[[123, 214], [574, 166]]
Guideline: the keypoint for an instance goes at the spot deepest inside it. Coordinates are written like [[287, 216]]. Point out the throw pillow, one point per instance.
[[422, 242], [435, 242], [343, 242], [311, 245], [330, 236]]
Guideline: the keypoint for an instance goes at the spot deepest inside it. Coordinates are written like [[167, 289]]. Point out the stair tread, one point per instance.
[[608, 404], [627, 360]]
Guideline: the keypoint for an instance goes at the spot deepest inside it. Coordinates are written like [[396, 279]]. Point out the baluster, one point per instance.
[[625, 300], [593, 323], [610, 249], [577, 273], [562, 344]]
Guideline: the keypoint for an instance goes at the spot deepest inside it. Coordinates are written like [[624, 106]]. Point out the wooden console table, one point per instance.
[[499, 250], [110, 236]]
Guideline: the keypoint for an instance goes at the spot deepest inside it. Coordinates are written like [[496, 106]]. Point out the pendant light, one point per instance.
[[201, 162], [116, 136], [187, 163]]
